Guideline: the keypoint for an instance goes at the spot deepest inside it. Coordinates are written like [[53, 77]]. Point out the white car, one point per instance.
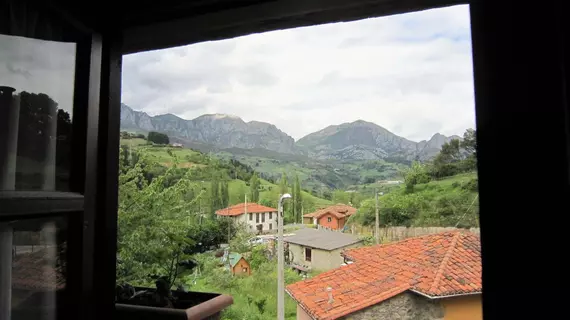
[[256, 240]]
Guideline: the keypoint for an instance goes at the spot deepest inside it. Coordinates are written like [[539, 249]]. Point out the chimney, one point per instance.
[[329, 292]]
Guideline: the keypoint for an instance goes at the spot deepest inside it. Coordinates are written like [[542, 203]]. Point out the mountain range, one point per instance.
[[358, 140]]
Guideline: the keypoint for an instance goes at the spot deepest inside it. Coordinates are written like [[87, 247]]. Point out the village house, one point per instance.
[[238, 264], [333, 217], [255, 217], [311, 249], [430, 277]]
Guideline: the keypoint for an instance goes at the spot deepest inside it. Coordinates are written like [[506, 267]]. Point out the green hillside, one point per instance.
[[206, 167], [318, 174], [452, 201]]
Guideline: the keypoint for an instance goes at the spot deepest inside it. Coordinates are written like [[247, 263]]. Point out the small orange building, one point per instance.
[[238, 264], [333, 217]]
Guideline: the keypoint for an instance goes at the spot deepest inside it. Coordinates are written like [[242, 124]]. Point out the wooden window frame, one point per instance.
[[309, 255]]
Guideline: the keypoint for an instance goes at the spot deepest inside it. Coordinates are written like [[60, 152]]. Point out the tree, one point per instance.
[[416, 174], [224, 194], [215, 199], [340, 196], [450, 151], [254, 187], [469, 142], [158, 138], [297, 199], [283, 187], [154, 225]]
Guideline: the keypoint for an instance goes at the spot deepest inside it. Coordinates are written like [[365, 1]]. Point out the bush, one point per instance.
[[471, 185]]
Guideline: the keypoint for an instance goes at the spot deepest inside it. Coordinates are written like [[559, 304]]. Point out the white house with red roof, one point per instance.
[[432, 277], [256, 217]]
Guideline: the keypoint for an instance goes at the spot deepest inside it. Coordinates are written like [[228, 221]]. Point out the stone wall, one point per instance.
[[405, 306]]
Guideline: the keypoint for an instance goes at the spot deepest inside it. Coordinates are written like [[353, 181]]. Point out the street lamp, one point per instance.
[[280, 258]]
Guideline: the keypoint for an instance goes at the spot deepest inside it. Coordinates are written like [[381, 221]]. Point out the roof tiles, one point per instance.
[[435, 265], [241, 208], [338, 210]]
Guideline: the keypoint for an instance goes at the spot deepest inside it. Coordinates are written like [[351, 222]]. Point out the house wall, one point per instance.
[[252, 225], [302, 314], [405, 306], [333, 224], [238, 268], [322, 260], [463, 308], [308, 220]]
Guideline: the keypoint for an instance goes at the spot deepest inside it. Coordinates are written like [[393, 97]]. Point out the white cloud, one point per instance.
[[411, 74]]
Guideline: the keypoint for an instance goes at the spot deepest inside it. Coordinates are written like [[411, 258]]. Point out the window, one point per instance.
[[310, 149], [244, 270], [308, 253], [43, 164]]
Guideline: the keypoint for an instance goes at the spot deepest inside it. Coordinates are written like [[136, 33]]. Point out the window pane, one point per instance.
[[33, 267], [36, 101]]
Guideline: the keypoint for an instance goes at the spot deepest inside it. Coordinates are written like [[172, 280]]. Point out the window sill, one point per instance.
[[199, 306]]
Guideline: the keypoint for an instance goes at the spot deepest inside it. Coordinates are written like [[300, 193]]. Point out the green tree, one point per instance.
[[297, 199], [157, 137], [153, 224], [215, 198], [469, 142], [254, 187], [224, 194], [283, 187], [417, 173], [340, 196]]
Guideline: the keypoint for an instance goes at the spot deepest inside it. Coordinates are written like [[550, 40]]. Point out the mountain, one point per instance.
[[217, 131], [367, 141], [359, 140]]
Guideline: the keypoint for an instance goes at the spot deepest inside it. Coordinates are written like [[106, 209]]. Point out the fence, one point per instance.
[[390, 234]]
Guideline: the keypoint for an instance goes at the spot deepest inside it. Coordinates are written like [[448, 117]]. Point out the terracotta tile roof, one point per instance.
[[338, 210], [240, 209], [437, 265]]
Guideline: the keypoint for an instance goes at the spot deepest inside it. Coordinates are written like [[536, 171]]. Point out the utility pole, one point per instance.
[[280, 262], [377, 229]]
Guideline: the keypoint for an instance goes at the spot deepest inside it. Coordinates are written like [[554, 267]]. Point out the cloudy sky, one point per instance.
[[411, 74], [39, 66]]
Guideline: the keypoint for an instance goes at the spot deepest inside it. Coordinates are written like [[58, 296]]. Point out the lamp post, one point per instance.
[[377, 231], [280, 262]]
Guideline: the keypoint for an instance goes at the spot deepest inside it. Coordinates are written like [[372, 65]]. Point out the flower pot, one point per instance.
[[186, 306]]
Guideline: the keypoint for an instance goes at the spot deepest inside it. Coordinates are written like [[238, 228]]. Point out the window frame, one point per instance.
[[308, 254]]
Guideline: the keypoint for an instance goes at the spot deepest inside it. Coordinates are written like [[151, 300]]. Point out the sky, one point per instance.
[[39, 66], [410, 73]]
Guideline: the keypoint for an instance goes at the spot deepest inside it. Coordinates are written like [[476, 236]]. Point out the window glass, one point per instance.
[[36, 101], [36, 271]]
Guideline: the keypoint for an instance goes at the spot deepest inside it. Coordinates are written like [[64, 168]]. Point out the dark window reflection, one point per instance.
[[36, 99], [38, 272]]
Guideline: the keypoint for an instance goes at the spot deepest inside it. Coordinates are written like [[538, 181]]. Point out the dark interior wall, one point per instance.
[[522, 132]]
